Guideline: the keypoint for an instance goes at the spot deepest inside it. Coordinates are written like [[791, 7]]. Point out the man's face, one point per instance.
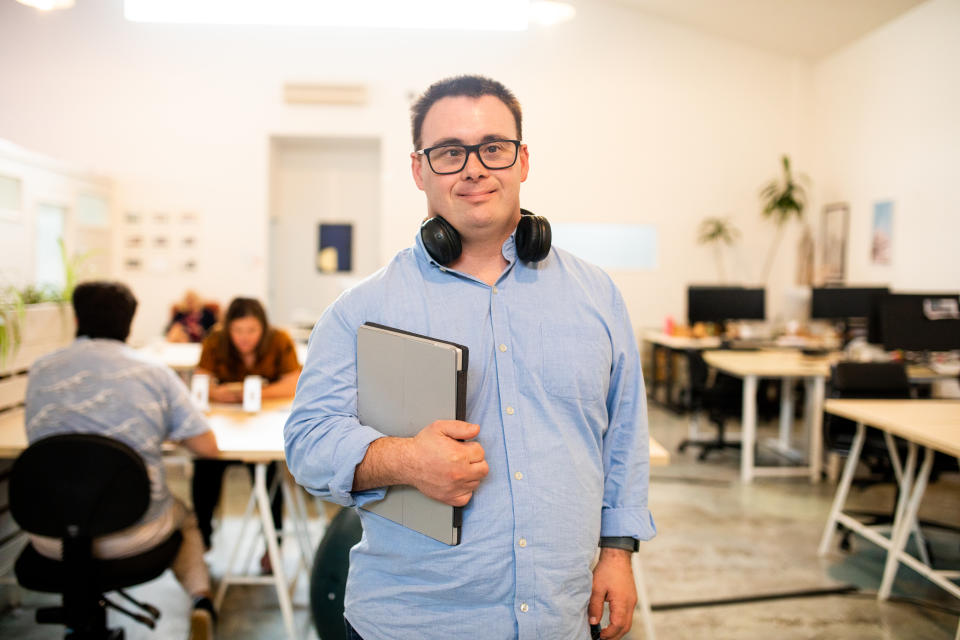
[[477, 201]]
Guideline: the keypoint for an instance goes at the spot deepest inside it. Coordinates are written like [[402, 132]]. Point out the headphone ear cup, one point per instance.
[[533, 238], [440, 240]]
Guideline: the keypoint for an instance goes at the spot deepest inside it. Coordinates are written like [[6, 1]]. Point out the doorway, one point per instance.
[[334, 182]]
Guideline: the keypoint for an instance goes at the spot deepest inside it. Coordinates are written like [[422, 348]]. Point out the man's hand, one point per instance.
[[435, 461], [613, 583], [441, 466]]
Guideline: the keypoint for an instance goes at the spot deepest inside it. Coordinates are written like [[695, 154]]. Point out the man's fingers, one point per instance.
[[475, 452], [458, 430], [621, 617], [595, 607]]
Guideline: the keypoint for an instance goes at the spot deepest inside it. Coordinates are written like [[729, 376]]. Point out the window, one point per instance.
[[50, 222]]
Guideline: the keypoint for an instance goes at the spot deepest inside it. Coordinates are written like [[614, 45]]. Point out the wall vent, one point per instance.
[[307, 93]]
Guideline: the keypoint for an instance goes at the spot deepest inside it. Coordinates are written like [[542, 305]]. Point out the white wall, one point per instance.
[[887, 126], [628, 119]]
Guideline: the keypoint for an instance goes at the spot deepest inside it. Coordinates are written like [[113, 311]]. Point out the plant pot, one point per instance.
[[44, 327]]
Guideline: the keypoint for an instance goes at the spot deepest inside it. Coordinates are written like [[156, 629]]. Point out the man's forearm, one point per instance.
[[386, 463]]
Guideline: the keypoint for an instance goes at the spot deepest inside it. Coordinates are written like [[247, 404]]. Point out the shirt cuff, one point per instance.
[[627, 522], [353, 449]]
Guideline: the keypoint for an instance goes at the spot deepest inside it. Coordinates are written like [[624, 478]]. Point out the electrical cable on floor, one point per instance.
[[803, 593]]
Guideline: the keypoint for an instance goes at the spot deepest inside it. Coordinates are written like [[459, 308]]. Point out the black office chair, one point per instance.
[[328, 580], [719, 400], [77, 487]]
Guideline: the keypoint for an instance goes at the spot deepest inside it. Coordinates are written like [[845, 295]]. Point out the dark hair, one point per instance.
[[469, 86], [244, 308], [104, 310]]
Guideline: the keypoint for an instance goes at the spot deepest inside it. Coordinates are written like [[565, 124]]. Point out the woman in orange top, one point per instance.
[[246, 345]]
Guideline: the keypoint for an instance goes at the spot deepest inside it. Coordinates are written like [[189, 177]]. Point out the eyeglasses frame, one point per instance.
[[468, 149]]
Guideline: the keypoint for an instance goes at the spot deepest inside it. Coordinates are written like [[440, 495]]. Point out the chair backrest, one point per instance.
[[869, 380], [78, 485], [861, 380]]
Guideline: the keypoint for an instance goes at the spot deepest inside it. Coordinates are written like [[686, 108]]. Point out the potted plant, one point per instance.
[[38, 317], [717, 232], [783, 198]]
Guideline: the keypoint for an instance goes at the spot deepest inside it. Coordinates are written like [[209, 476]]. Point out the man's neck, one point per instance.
[[483, 258]]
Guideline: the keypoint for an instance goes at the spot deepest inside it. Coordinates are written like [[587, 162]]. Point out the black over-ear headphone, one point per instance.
[[442, 241]]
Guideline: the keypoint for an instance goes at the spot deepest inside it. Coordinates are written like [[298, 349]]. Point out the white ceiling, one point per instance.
[[809, 29]]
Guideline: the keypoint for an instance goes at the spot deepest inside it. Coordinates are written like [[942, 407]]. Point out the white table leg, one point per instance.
[[900, 531], [273, 549], [749, 428], [813, 420], [643, 599], [898, 472], [227, 579], [786, 412], [843, 488]]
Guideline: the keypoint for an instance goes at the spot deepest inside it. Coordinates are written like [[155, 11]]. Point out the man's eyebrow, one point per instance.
[[487, 138]]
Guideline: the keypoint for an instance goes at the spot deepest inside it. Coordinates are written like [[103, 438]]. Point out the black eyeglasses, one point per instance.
[[445, 159]]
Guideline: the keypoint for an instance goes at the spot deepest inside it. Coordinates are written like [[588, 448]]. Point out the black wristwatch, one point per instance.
[[620, 542]]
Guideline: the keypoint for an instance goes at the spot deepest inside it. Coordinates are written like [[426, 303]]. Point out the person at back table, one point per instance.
[[191, 321], [101, 386], [553, 457], [246, 345]]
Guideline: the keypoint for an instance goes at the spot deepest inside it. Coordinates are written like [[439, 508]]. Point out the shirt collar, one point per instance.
[[509, 251]]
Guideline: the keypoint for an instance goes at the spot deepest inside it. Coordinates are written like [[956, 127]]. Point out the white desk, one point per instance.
[[671, 345], [788, 366], [258, 438], [931, 424]]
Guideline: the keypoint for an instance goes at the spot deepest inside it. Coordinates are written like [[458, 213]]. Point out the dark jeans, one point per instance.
[[351, 632], [206, 486]]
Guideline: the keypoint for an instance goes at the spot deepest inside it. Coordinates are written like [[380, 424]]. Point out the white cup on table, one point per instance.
[[252, 388]]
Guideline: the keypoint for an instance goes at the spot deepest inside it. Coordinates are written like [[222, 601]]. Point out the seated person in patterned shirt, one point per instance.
[[100, 385], [246, 345]]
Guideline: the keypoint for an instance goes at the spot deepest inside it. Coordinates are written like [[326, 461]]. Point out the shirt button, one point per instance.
[[444, 269], [524, 607], [495, 290], [509, 411], [522, 542], [502, 347], [518, 475]]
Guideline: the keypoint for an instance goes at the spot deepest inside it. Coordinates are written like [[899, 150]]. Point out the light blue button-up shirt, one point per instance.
[[554, 382]]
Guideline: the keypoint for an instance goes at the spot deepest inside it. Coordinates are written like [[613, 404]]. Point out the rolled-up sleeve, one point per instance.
[[323, 439], [626, 444]]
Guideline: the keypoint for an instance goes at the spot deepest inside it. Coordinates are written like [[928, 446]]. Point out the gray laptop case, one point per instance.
[[406, 381]]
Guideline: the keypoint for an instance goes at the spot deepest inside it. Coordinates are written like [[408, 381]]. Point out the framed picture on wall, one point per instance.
[[833, 245], [335, 248]]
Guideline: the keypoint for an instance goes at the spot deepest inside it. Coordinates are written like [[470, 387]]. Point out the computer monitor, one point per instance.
[[846, 303], [718, 304], [921, 321]]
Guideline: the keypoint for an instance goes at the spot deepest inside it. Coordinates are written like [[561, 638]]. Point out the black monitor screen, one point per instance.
[[717, 304], [921, 322], [846, 302]]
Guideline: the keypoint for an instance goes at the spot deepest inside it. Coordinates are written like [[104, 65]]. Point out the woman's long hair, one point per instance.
[[244, 308]]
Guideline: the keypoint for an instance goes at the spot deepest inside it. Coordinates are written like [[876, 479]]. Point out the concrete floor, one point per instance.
[[717, 539]]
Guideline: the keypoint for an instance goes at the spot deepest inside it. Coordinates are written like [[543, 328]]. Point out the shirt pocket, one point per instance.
[[575, 360]]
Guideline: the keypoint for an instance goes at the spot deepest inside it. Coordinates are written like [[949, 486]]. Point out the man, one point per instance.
[[554, 455], [100, 385]]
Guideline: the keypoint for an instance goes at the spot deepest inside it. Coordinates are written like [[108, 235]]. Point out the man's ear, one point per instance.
[[524, 162], [416, 166]]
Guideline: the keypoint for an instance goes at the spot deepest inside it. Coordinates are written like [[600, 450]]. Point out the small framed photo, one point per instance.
[[833, 246]]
